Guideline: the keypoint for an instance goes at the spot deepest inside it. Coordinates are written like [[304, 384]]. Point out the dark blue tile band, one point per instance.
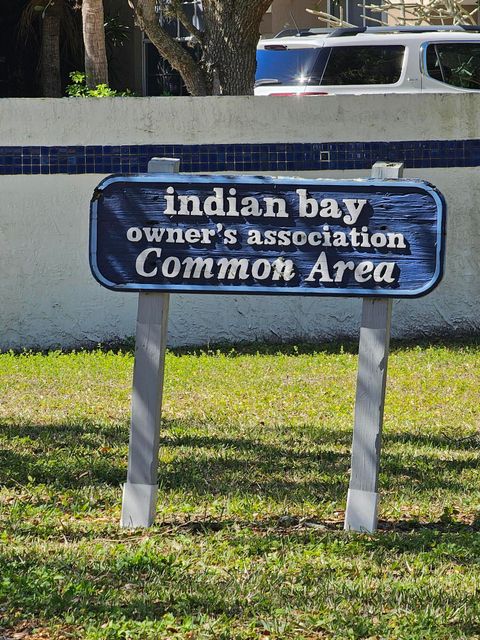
[[239, 157]]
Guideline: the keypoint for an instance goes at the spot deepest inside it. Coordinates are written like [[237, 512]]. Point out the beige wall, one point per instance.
[[396, 15], [280, 16]]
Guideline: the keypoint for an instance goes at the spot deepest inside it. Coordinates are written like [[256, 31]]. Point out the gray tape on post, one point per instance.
[[138, 505], [362, 508]]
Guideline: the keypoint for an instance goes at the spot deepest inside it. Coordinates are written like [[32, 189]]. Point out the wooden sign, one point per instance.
[[218, 234], [166, 232]]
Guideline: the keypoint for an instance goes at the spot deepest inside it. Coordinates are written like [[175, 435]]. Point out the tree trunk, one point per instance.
[[169, 48], [228, 43], [232, 31], [96, 67], [50, 76]]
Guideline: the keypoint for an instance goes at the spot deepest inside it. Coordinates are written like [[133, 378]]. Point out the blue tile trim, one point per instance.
[[239, 157]]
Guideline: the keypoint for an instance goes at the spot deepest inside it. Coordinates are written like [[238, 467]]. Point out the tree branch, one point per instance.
[[186, 22], [169, 48]]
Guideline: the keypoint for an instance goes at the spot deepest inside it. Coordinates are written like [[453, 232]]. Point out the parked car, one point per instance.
[[370, 60]]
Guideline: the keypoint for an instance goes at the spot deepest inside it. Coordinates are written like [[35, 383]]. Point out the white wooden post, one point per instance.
[[362, 500], [141, 489]]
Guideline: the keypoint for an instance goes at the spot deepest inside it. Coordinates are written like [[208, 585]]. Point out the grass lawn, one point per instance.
[[254, 462]]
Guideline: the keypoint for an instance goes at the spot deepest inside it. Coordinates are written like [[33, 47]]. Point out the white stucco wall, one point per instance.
[[234, 120], [49, 297]]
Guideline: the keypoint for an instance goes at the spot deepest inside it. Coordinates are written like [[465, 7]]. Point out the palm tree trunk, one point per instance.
[[96, 67], [50, 55]]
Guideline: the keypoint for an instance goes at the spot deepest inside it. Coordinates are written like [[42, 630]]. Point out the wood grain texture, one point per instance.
[[140, 490], [147, 390], [370, 395], [412, 209], [362, 501]]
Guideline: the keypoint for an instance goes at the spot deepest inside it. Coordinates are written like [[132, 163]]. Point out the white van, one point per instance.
[[370, 60]]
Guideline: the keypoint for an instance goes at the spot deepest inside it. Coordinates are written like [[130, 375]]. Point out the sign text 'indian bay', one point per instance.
[[262, 235]]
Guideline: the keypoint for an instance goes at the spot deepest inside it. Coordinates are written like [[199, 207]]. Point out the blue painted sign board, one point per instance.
[[246, 234]]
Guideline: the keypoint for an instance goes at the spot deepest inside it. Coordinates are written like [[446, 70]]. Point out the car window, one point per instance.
[[364, 65], [288, 66], [457, 64]]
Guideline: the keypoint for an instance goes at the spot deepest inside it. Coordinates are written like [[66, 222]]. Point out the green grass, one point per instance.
[[254, 463]]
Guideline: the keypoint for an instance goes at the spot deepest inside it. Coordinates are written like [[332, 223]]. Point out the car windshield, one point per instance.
[[287, 66]]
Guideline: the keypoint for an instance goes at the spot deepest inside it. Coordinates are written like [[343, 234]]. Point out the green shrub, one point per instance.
[[78, 88]]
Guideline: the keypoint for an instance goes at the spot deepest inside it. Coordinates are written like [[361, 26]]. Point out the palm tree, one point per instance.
[[96, 67], [59, 30]]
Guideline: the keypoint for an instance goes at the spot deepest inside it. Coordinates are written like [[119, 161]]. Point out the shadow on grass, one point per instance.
[[86, 454], [73, 455], [442, 441], [68, 455], [145, 581], [315, 528], [343, 344], [93, 588]]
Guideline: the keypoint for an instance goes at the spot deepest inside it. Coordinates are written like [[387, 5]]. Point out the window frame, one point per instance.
[[423, 61]]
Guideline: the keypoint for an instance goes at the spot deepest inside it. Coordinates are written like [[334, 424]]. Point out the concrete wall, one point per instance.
[[49, 297]]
